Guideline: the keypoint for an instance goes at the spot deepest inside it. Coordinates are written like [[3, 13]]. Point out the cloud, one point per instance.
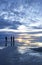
[[9, 24], [22, 28], [26, 14]]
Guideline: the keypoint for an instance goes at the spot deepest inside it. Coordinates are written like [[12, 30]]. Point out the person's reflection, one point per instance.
[[5, 41], [11, 40]]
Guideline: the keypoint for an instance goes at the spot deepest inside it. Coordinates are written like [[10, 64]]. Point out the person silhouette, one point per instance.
[[5, 41], [11, 40]]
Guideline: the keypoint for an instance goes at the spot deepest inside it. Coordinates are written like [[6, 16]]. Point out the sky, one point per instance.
[[20, 15]]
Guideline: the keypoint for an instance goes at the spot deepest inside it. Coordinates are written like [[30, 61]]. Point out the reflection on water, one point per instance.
[[22, 49], [2, 47], [30, 40], [22, 53]]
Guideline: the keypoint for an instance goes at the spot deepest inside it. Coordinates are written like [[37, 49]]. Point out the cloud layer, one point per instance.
[[21, 15]]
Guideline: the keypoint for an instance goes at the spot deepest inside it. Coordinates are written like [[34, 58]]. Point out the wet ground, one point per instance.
[[19, 55]]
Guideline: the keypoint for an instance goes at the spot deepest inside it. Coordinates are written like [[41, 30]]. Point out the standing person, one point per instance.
[[5, 41], [11, 40]]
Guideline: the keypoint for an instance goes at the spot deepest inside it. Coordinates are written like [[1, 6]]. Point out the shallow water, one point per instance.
[[19, 54]]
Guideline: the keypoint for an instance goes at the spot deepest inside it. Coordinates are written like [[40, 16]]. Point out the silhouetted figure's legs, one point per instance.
[[11, 40], [5, 41]]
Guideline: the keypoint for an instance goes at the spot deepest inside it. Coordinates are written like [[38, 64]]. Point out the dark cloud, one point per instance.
[[35, 27], [6, 23]]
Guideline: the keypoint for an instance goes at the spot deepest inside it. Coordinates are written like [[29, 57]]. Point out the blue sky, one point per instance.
[[20, 15]]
